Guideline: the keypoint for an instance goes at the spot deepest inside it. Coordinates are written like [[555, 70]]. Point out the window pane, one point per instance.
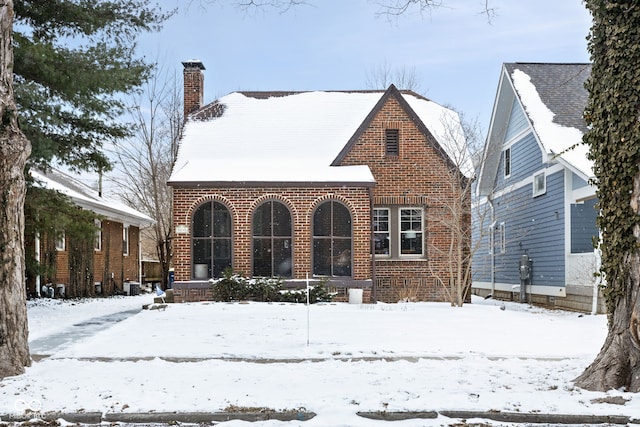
[[381, 243], [282, 257], [411, 243], [322, 220], [221, 220], [322, 257], [410, 220], [281, 220], [202, 221], [262, 257], [341, 221], [262, 220], [202, 258], [342, 257], [381, 231], [411, 231], [221, 256]]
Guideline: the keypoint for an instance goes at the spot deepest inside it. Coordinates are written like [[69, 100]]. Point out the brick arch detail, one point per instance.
[[329, 197], [208, 198], [268, 197]]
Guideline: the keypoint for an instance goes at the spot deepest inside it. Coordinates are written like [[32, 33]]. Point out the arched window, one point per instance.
[[272, 240], [211, 240], [332, 240]]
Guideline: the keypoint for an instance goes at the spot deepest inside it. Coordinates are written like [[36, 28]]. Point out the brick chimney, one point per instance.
[[193, 86]]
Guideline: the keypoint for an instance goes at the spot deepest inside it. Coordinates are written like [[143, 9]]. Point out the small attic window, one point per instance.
[[392, 142]]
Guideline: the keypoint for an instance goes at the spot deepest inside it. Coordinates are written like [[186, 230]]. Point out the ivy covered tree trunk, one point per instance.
[[614, 139], [14, 150]]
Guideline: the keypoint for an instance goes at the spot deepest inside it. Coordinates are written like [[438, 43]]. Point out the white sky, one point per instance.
[[394, 357], [337, 44]]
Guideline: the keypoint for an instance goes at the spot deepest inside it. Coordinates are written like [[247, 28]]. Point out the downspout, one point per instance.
[[374, 293], [140, 256], [492, 249]]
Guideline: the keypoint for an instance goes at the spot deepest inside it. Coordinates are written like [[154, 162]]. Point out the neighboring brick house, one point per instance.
[[116, 254], [338, 186]]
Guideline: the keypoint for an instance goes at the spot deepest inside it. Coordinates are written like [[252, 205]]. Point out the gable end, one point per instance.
[[392, 91]]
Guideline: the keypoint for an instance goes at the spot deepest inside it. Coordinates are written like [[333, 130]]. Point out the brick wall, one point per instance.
[[301, 202], [416, 177], [110, 259]]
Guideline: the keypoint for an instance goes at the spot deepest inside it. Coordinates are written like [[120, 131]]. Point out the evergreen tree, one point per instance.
[[74, 59], [614, 140]]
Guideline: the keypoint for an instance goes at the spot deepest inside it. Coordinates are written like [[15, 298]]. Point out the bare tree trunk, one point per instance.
[[14, 150], [618, 363]]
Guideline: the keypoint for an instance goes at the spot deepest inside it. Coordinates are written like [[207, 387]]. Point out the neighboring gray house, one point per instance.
[[533, 195]]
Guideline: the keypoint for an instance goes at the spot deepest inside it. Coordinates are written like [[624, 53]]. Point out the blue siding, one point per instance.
[[577, 182], [535, 226], [583, 226], [481, 262], [517, 121], [526, 158]]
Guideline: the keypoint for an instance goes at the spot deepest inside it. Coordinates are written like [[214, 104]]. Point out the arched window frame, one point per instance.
[[278, 245], [204, 248], [332, 253]]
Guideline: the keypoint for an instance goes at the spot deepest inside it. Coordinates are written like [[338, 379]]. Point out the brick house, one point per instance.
[[116, 253], [339, 186]]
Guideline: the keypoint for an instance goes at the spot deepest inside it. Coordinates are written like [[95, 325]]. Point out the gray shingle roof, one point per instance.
[[561, 88]]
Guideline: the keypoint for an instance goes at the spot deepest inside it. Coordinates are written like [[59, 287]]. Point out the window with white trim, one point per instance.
[[61, 242], [125, 240], [507, 162], [411, 226], [503, 237], [97, 245], [381, 231], [539, 184], [398, 231]]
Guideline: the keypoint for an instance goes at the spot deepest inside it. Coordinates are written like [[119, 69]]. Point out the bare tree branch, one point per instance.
[[383, 75]]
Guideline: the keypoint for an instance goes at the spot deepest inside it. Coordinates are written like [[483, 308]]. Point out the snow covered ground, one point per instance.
[[332, 359]]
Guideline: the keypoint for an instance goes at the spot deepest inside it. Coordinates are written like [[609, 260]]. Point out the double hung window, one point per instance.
[[398, 232]]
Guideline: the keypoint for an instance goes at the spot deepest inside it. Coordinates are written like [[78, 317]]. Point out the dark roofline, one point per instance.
[[278, 184]]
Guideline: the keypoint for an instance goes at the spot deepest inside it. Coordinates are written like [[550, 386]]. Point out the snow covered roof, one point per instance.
[[290, 137], [88, 198], [554, 98]]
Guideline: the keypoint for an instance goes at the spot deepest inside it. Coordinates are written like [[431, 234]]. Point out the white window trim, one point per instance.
[[542, 190], [388, 232], [504, 156], [502, 228], [400, 232], [97, 245], [61, 242], [125, 240]]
